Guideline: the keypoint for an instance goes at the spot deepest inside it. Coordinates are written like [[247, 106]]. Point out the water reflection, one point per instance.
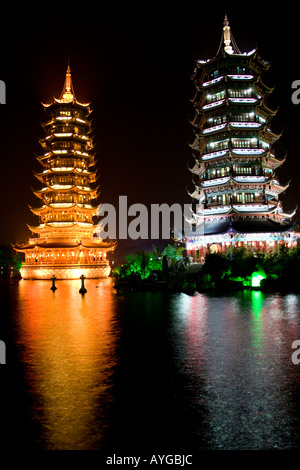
[[158, 371], [68, 348], [237, 353]]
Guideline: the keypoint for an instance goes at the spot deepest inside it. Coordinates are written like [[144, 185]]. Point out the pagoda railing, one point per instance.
[[42, 262], [234, 200], [234, 174]]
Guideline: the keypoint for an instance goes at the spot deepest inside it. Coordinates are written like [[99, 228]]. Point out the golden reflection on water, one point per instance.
[[68, 348]]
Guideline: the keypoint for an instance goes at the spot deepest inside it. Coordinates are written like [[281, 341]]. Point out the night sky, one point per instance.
[[134, 66]]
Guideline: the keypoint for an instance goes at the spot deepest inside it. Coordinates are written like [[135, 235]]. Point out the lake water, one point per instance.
[[146, 371]]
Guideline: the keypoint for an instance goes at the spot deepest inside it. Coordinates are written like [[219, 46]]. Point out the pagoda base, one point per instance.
[[253, 242], [65, 271]]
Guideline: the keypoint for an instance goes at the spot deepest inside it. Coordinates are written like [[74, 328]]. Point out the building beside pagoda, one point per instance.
[[236, 191], [66, 244]]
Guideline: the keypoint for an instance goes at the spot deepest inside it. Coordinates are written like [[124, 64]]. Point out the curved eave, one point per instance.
[[233, 153], [270, 158], [194, 194], [232, 179], [52, 138], [105, 246], [266, 109], [64, 171], [253, 55], [66, 103], [214, 212], [72, 153], [267, 89], [237, 208], [82, 208], [23, 247], [244, 182], [84, 105], [223, 54], [209, 84], [289, 214], [40, 192], [101, 244], [62, 226], [74, 120], [271, 135], [279, 188]]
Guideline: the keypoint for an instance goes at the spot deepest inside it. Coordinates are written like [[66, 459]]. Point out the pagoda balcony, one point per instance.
[[44, 261], [246, 124], [240, 76], [233, 200], [215, 128], [257, 150], [215, 181], [213, 104], [215, 177], [216, 154], [256, 200], [215, 209], [238, 178], [216, 205], [253, 207], [208, 83], [244, 99], [250, 178], [233, 124], [232, 76]]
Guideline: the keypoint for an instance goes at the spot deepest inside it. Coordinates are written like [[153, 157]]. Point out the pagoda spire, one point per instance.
[[67, 94], [227, 36], [229, 43]]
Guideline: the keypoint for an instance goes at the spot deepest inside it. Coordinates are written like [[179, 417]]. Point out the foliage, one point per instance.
[[279, 270], [173, 252], [145, 264], [10, 260]]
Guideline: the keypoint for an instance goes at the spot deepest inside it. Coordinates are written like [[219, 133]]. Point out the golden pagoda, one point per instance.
[[66, 245]]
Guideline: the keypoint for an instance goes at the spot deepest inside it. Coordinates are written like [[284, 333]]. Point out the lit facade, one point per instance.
[[66, 244], [236, 190]]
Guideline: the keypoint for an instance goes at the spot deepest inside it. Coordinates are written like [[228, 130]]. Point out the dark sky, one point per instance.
[[134, 66]]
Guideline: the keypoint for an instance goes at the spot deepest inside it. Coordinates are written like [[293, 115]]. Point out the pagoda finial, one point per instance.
[[227, 36], [67, 93]]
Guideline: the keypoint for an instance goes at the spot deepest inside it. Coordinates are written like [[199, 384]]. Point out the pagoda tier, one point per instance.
[[236, 189], [66, 245]]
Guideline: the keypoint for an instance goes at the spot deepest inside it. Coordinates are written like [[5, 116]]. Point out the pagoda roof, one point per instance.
[[44, 142], [228, 49], [66, 189], [243, 180], [71, 153], [62, 225], [65, 207], [260, 226], [65, 244], [266, 109], [71, 119], [243, 225], [67, 95], [242, 152], [64, 170], [275, 160]]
